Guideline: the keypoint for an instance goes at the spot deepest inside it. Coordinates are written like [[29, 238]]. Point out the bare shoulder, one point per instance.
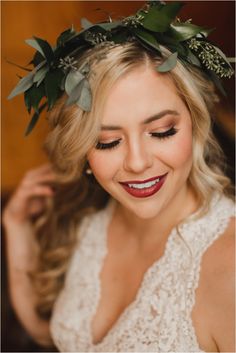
[[218, 281]]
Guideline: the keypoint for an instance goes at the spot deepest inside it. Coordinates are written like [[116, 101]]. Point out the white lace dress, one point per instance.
[[159, 319]]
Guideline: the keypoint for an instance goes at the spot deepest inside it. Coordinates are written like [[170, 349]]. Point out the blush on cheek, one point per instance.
[[103, 165], [177, 153]]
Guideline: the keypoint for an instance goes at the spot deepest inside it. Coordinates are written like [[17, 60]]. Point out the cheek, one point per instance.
[[103, 166], [178, 152]]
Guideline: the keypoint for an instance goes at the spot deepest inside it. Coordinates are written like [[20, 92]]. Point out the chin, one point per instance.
[[143, 210]]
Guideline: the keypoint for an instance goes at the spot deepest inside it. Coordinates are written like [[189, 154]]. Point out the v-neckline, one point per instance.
[[108, 213]]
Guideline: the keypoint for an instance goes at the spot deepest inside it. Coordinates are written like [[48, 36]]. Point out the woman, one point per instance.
[[135, 251]]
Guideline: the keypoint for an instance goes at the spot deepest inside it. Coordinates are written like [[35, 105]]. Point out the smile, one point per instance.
[[144, 188]]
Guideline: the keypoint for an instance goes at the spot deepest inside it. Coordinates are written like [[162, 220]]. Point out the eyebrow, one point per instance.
[[146, 121]]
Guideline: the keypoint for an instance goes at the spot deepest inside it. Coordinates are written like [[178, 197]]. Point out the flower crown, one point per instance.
[[154, 26]]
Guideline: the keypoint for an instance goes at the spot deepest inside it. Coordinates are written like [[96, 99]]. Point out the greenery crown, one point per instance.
[[154, 26]]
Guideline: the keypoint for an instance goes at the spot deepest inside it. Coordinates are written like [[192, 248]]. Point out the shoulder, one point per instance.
[[218, 278]]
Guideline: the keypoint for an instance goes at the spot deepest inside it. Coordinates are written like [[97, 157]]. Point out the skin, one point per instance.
[[141, 156], [139, 229]]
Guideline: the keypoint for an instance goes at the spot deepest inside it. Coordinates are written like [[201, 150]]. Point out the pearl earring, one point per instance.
[[88, 171]]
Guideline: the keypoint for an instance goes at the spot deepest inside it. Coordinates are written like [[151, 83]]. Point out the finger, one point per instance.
[[37, 205], [43, 169], [24, 194], [41, 190], [30, 180]]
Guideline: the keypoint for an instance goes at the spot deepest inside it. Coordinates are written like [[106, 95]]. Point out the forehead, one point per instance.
[[140, 93]]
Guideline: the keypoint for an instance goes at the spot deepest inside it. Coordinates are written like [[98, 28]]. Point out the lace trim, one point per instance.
[[166, 295]]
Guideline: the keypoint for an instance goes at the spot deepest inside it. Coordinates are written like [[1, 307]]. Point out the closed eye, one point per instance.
[[161, 135], [110, 145]]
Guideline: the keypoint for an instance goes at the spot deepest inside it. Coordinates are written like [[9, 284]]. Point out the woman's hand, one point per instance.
[[29, 198]]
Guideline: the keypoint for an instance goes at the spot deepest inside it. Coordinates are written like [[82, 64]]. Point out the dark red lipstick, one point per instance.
[[144, 188]]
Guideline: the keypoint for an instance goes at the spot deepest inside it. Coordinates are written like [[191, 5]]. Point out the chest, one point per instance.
[[121, 280]]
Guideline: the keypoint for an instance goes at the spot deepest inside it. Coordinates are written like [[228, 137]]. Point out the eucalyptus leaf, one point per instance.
[[193, 59], [183, 31], [34, 120], [52, 86], [33, 97], [37, 59], [43, 47], [34, 44], [171, 9], [169, 63], [110, 25], [65, 36], [155, 21], [22, 86], [147, 38], [72, 81], [85, 24], [40, 75], [62, 85], [85, 99], [75, 93], [27, 100], [204, 33]]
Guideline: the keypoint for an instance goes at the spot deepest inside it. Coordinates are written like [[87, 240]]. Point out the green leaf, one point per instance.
[[52, 82], [33, 97], [155, 21], [147, 38], [171, 9], [34, 44], [85, 24], [85, 99], [27, 101], [192, 58], [43, 47], [184, 31], [37, 59], [65, 36], [23, 85], [205, 33], [75, 93], [81, 95], [40, 75], [34, 119], [72, 80], [169, 63], [110, 25]]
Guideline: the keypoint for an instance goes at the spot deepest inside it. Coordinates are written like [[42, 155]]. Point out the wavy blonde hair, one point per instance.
[[74, 132]]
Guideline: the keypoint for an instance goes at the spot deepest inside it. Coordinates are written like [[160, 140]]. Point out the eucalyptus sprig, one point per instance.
[[156, 25]]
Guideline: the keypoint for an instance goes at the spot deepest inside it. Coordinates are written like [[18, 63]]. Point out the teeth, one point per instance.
[[144, 185]]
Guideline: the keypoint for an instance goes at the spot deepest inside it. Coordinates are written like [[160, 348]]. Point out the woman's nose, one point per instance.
[[137, 158]]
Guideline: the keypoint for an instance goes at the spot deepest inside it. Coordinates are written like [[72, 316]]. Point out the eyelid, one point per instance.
[[108, 146], [167, 133]]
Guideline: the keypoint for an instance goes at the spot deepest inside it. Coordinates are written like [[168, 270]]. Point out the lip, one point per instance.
[[142, 181], [145, 192]]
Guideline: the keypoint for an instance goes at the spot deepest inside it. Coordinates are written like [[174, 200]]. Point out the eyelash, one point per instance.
[[160, 135]]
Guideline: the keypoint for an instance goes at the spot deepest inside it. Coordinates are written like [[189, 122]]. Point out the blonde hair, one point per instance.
[[74, 132]]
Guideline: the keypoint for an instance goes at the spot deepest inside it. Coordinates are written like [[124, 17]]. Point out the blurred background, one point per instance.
[[46, 19]]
